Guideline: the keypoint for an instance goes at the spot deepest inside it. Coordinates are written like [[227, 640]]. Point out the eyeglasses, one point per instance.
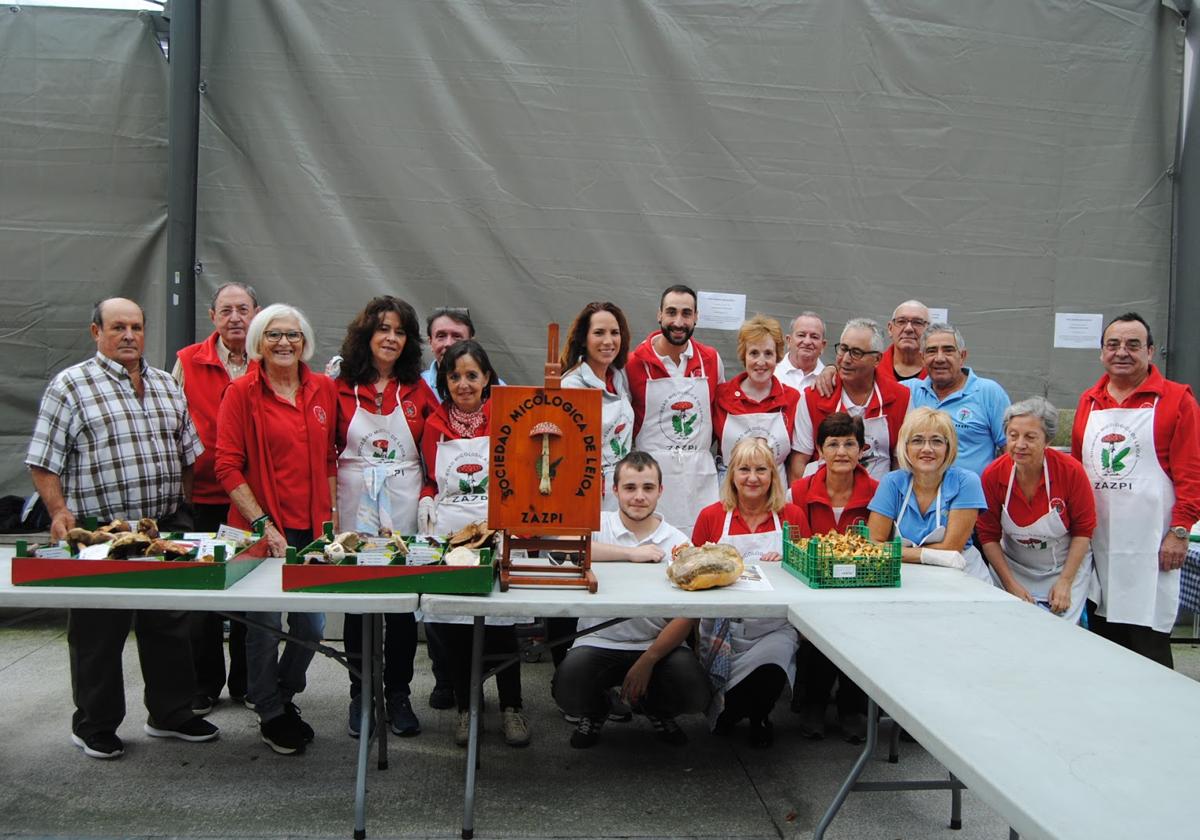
[[854, 352], [915, 323], [933, 442], [227, 311], [1133, 345], [276, 336]]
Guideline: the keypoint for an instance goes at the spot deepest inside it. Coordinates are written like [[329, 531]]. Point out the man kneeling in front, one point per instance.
[[657, 672]]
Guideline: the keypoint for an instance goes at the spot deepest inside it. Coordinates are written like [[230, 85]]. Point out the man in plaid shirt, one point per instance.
[[114, 440]]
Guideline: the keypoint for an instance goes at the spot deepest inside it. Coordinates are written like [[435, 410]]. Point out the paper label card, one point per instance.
[[373, 558], [54, 552], [939, 316], [234, 535], [845, 570], [94, 552], [720, 311], [1078, 330]]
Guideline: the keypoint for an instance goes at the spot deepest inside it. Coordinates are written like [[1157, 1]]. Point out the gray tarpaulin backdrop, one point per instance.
[[1003, 160], [83, 185]]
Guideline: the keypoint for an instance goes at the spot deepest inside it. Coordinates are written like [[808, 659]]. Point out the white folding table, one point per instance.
[[638, 590], [1061, 732], [259, 591]]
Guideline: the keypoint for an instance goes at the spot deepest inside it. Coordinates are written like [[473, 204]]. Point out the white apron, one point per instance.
[[616, 429], [1037, 552], [975, 565], [462, 499], [1134, 498], [768, 425], [757, 641], [677, 430], [379, 473], [876, 455]]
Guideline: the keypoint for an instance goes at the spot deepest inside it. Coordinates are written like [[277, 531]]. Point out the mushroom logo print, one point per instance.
[[546, 469], [1115, 451], [619, 449], [466, 481], [678, 418]]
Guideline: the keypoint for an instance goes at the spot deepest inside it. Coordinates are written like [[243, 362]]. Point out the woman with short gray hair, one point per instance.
[[1036, 531]]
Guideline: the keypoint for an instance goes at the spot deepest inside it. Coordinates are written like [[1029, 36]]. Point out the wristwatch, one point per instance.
[[1181, 532]]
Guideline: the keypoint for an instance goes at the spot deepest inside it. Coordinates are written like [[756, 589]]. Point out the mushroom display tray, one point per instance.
[[141, 573], [821, 569], [351, 578]]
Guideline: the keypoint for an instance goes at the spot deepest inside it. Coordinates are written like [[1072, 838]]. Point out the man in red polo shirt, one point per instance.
[[673, 386], [203, 370], [1138, 437], [903, 358]]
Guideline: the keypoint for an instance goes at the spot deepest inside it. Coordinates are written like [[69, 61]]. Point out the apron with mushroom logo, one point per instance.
[[462, 481]]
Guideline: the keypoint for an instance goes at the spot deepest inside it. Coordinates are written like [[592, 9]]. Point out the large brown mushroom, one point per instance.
[[547, 430]]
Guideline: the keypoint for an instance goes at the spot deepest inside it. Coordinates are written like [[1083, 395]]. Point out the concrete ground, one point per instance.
[[628, 786]]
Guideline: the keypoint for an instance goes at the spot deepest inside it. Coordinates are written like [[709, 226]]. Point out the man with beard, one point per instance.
[[976, 405], [673, 385], [647, 658]]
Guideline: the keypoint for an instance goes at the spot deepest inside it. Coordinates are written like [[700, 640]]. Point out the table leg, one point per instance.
[[1012, 834], [894, 746], [955, 805], [364, 741], [468, 828], [380, 701], [855, 771]]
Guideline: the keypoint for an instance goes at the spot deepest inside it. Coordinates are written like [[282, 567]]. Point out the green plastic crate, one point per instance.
[[822, 570]]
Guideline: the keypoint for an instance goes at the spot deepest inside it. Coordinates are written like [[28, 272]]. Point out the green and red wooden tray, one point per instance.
[[349, 578]]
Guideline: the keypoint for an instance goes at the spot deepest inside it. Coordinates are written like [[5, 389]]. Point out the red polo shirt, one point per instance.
[[204, 381], [895, 406], [812, 495], [887, 367], [711, 521], [416, 400], [1069, 487], [437, 429], [731, 399], [1176, 434], [644, 365]]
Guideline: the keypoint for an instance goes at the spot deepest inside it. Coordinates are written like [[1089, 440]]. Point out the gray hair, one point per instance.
[[245, 287], [900, 306], [1038, 407], [943, 327], [868, 325], [254, 333], [808, 313]]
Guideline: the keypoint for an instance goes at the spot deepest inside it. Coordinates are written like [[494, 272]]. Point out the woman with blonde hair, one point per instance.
[[755, 403], [929, 503], [749, 661]]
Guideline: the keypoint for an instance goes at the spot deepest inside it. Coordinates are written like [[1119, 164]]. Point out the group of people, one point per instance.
[[903, 437]]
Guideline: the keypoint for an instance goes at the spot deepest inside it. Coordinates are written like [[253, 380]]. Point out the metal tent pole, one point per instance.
[[1183, 360]]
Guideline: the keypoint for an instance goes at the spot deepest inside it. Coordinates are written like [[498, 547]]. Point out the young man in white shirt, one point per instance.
[[647, 657]]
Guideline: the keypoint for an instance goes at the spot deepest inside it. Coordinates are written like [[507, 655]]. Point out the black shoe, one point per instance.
[[283, 735], [724, 724], [854, 728], [667, 730], [762, 733], [442, 697], [354, 717], [101, 745], [403, 718], [202, 704], [587, 732], [293, 711], [812, 722], [195, 729]]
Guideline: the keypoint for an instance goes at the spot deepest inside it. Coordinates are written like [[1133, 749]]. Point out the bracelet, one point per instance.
[[264, 520]]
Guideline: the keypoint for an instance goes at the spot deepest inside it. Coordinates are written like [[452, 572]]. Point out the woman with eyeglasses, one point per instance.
[[880, 402], [382, 406], [594, 356], [929, 503], [833, 498], [455, 447], [755, 403], [276, 459]]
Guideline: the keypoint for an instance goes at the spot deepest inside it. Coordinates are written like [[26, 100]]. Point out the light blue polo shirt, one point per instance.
[[978, 414], [961, 490]]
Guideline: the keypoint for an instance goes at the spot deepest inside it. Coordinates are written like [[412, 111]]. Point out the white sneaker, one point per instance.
[[516, 729]]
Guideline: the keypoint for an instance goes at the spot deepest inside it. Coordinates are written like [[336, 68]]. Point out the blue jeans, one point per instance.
[[271, 679]]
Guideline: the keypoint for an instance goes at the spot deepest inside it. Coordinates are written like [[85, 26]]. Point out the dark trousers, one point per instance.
[[1147, 641], [499, 642], [96, 639], [817, 675], [678, 684], [208, 630], [439, 656], [755, 696], [399, 649], [556, 628]]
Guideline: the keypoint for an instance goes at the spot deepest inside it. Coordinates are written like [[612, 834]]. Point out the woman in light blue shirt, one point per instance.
[[930, 503]]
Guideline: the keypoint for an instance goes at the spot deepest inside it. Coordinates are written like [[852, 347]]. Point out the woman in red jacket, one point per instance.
[[382, 406], [834, 498], [276, 459]]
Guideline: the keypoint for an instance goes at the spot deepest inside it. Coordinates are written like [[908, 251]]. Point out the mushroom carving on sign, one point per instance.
[[547, 430]]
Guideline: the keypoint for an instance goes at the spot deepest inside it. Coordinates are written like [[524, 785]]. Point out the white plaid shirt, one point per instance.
[[116, 456]]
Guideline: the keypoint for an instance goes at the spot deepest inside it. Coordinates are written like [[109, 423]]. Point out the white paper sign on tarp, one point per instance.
[[720, 311], [1077, 330]]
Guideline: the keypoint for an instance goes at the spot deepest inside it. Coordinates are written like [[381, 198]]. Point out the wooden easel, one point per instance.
[[545, 488]]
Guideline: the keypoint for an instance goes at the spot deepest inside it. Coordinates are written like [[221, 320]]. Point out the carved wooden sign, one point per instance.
[[545, 475]]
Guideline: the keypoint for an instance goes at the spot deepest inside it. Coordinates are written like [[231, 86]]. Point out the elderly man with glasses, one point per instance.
[[881, 403], [903, 360], [1138, 436]]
